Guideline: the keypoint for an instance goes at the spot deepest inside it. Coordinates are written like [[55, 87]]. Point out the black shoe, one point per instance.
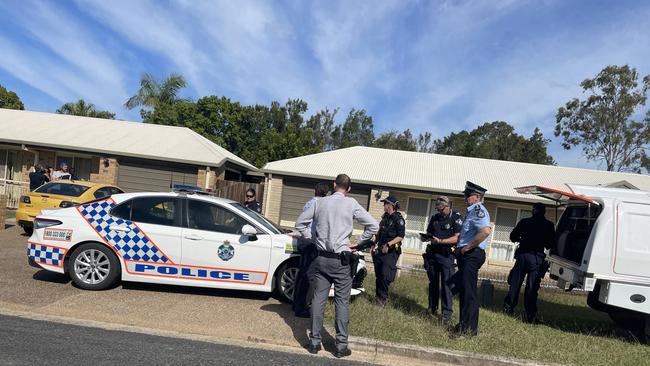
[[342, 353], [532, 320], [507, 310], [313, 349]]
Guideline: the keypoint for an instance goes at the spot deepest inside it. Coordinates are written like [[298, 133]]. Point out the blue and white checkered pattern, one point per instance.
[[45, 254], [132, 245]]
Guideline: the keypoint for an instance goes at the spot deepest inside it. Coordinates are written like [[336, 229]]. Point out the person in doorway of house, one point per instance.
[[533, 234], [251, 201], [470, 255], [62, 173], [392, 230], [37, 178], [306, 249]]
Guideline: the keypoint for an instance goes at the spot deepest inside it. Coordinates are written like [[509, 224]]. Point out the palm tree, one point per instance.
[[153, 93], [83, 108]]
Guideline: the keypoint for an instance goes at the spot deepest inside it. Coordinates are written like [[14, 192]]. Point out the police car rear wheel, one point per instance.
[[286, 281], [94, 267]]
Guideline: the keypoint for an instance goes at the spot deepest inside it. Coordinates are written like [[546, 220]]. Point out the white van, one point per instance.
[[603, 246]]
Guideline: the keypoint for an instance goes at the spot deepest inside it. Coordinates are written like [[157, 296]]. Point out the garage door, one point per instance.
[[135, 176], [295, 194]]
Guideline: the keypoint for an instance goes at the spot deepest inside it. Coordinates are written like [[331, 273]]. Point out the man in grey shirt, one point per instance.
[[333, 217]]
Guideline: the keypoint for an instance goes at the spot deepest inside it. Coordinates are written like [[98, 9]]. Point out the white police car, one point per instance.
[[168, 238]]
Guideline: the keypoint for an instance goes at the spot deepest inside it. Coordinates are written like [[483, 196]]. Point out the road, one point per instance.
[[32, 342]]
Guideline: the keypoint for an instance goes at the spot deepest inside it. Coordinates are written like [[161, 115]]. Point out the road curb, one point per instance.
[[357, 344], [434, 354]]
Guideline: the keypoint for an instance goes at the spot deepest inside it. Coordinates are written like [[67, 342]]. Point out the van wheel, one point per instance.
[[94, 267], [285, 281], [29, 230]]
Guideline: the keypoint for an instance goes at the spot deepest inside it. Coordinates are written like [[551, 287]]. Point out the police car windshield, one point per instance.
[[259, 218]]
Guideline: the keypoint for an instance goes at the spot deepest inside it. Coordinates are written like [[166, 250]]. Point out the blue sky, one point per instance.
[[438, 66]]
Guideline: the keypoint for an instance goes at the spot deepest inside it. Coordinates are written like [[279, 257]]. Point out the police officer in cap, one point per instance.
[[470, 254], [389, 239], [443, 232], [533, 235]]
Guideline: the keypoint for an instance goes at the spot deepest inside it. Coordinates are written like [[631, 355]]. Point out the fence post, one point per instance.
[[3, 211]]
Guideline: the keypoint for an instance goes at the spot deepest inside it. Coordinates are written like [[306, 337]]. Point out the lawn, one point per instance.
[[572, 332]]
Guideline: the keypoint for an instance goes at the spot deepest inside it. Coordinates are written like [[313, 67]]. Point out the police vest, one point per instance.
[[388, 230]]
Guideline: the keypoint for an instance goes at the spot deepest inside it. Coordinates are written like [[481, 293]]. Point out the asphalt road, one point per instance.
[[32, 342]]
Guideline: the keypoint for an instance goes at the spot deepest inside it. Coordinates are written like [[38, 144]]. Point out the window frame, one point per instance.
[[186, 219], [178, 211]]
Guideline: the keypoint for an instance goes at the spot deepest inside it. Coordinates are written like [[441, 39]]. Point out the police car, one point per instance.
[[175, 238]]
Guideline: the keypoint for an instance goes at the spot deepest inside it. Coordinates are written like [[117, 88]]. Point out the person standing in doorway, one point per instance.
[[533, 234], [251, 201], [333, 216]]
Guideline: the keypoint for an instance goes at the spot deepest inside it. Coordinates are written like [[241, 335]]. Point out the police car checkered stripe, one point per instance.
[[132, 245], [46, 254]]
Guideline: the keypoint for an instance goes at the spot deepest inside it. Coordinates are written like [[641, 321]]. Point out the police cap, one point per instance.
[[442, 201], [473, 188], [392, 200]]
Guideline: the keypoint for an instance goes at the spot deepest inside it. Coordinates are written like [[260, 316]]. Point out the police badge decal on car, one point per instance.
[[226, 251]]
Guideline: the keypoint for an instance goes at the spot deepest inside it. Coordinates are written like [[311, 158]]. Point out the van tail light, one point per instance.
[[43, 223], [25, 199]]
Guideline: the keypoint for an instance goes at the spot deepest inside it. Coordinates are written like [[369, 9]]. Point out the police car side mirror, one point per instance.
[[249, 231]]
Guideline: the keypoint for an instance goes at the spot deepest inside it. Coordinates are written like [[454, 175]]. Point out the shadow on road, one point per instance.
[[300, 326], [202, 291], [47, 276]]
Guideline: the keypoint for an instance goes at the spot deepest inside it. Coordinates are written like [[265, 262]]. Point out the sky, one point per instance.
[[437, 66]]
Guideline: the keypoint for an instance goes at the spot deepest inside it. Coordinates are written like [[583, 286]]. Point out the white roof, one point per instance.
[[443, 173], [105, 136]]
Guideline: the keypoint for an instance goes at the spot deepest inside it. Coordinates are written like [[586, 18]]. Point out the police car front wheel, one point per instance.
[[94, 267], [286, 279]]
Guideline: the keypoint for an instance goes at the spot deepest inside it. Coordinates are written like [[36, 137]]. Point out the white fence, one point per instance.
[[13, 190]]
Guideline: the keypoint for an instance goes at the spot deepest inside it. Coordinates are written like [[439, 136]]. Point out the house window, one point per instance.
[[81, 167], [416, 214], [502, 248]]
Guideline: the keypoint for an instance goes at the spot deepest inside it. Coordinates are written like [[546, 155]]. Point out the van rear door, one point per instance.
[[632, 244]]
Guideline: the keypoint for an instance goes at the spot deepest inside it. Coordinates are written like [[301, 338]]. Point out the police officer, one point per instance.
[[333, 216], [443, 232], [533, 235], [306, 249], [389, 239], [470, 254], [251, 201]]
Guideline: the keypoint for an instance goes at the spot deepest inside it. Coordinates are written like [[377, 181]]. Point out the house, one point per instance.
[[135, 156], [418, 178]]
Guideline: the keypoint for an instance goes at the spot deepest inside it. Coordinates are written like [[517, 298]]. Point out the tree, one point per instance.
[[322, 127], [10, 100], [496, 140], [396, 141], [154, 93], [424, 143], [602, 123], [83, 108], [357, 130]]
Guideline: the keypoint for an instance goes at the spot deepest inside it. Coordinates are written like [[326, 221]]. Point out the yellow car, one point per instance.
[[59, 193]]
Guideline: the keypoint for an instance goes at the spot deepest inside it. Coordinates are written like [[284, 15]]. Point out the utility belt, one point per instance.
[[397, 248], [444, 249], [344, 257]]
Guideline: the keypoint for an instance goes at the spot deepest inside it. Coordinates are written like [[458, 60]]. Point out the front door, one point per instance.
[[215, 250]]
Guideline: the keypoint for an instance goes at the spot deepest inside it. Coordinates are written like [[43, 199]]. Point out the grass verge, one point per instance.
[[572, 333]]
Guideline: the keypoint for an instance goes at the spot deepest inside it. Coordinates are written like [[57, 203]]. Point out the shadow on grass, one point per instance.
[[300, 326], [568, 318]]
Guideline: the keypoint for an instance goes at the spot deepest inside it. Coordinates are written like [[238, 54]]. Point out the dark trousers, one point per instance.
[[440, 270], [468, 266], [385, 271], [301, 291], [532, 266]]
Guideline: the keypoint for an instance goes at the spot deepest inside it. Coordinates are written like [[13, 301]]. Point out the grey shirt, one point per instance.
[[332, 216]]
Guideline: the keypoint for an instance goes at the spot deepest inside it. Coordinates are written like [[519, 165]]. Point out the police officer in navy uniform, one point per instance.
[[388, 249], [470, 254], [251, 201], [443, 232], [533, 235]]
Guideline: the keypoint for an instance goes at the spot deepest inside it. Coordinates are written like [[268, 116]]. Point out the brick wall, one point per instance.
[[273, 200], [213, 176], [105, 174], [376, 207]]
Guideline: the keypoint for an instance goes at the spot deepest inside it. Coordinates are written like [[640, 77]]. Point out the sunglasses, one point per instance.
[[247, 196]]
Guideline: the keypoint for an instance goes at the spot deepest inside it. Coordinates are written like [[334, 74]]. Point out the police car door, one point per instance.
[[216, 250]]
